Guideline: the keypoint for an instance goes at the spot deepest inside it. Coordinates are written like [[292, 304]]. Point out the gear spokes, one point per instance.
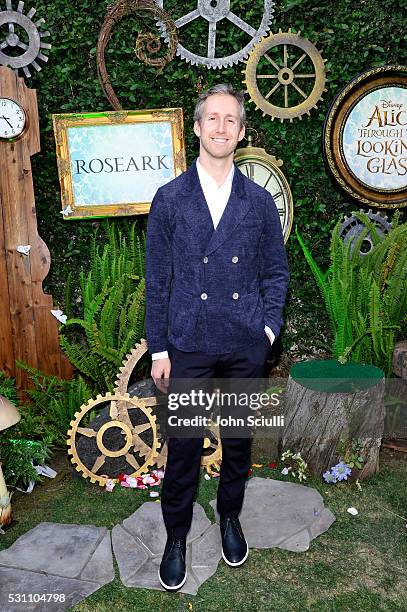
[[32, 52], [98, 454], [287, 75], [215, 11]]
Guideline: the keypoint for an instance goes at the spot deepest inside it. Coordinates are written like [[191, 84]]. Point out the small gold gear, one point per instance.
[[132, 435], [212, 455], [285, 76], [122, 386]]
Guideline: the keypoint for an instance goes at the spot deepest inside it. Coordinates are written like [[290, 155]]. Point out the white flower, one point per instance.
[[353, 511], [285, 471]]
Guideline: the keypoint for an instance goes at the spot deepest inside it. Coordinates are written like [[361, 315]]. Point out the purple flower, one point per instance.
[[341, 471], [328, 477]]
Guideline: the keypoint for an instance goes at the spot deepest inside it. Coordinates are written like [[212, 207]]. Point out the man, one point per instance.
[[216, 282]]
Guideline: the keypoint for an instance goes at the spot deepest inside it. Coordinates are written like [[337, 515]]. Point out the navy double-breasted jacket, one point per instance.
[[213, 290]]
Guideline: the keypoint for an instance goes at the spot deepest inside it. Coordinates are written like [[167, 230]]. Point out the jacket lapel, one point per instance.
[[236, 209], [195, 209], [196, 212]]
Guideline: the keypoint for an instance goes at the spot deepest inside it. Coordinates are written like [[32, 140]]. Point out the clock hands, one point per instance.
[[7, 119]]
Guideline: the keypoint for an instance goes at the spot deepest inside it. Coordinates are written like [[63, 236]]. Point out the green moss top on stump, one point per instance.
[[330, 376]]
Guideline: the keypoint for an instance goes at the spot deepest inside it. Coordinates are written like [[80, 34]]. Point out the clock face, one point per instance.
[[12, 119], [273, 180]]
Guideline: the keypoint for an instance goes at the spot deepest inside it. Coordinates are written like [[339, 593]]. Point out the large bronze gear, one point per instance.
[[31, 52], [131, 432], [212, 454], [285, 76]]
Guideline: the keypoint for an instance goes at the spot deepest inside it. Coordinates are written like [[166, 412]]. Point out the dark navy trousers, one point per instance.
[[184, 454]]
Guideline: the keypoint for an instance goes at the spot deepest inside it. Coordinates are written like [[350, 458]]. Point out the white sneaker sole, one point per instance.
[[172, 588], [239, 562]]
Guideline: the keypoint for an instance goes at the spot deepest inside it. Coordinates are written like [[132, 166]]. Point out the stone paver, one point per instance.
[[282, 514], [76, 560], [139, 542], [70, 561]]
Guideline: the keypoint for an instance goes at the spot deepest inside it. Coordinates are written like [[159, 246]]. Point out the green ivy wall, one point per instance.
[[351, 35]]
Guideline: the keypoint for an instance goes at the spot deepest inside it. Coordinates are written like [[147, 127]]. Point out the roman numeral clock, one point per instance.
[[264, 169], [28, 329]]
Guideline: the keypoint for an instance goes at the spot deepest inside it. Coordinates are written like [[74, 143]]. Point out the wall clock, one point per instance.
[[13, 119], [264, 169]]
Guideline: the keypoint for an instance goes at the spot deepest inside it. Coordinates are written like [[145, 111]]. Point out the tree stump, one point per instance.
[[326, 403], [400, 359]]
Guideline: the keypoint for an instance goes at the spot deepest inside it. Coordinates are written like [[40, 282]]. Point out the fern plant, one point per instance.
[[52, 404], [365, 296], [113, 308], [8, 388]]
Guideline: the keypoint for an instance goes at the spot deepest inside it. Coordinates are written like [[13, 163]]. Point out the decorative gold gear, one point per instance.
[[285, 75], [132, 434], [212, 454], [132, 359], [210, 461], [213, 448], [122, 386]]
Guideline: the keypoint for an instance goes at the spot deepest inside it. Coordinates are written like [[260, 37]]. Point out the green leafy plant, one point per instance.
[[113, 307], [350, 452], [52, 405], [365, 296], [18, 457], [8, 388]]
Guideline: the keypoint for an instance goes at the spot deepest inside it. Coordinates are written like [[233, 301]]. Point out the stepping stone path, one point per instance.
[[278, 514], [68, 561], [75, 560], [139, 543]]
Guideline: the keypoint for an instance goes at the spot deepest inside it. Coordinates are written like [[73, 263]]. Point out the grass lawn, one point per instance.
[[359, 564]]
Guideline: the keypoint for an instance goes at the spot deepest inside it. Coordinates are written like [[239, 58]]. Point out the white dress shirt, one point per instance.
[[216, 198]]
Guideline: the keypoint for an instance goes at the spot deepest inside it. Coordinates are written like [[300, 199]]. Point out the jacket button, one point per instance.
[[205, 260], [204, 296], [235, 259], [235, 296]]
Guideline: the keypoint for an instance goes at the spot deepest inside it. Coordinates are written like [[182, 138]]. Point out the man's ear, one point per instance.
[[197, 129], [241, 133]]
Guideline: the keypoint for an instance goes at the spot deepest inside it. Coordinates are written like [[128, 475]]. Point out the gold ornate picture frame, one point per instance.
[[112, 163], [365, 136]]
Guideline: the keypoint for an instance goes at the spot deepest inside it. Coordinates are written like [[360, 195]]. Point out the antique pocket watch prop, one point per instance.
[[365, 134], [264, 169]]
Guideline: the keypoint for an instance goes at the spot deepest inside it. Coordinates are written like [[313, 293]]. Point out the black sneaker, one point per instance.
[[173, 573], [234, 545]]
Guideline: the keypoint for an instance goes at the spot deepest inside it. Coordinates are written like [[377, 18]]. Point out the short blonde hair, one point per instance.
[[221, 88]]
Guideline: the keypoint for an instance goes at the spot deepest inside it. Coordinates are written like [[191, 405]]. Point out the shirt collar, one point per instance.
[[206, 179]]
